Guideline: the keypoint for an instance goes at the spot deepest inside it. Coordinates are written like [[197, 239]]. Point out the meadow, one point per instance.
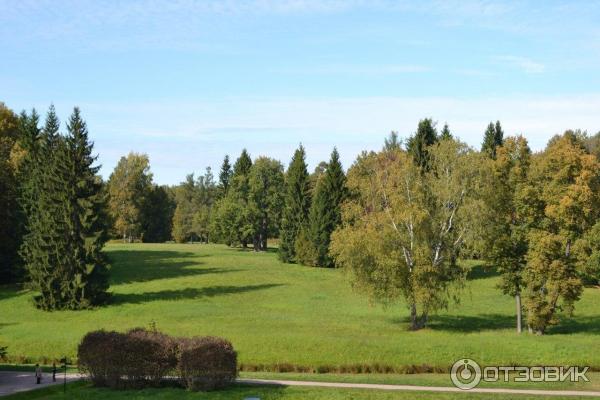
[[284, 317]]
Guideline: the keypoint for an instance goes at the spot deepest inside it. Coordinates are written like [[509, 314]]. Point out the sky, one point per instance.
[[189, 81]]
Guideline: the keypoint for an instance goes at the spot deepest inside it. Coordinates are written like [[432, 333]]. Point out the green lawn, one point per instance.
[[80, 391], [282, 314]]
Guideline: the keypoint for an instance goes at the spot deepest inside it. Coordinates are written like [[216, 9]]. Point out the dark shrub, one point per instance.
[[136, 359], [206, 363]]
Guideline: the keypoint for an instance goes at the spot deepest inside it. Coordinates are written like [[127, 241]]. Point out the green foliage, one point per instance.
[[325, 211], [561, 203], [65, 212], [129, 187], [296, 205], [445, 134], [306, 251], [402, 228], [10, 228], [224, 177], [157, 215], [265, 200], [195, 200], [493, 137], [392, 142], [587, 251], [418, 144]]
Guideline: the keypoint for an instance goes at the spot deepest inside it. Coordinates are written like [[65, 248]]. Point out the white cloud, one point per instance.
[[523, 63]]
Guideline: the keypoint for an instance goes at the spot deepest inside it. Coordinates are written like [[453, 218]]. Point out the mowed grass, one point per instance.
[[277, 313], [81, 391]]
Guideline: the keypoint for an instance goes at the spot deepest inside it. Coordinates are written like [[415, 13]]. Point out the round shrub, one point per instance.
[[136, 359], [206, 363]]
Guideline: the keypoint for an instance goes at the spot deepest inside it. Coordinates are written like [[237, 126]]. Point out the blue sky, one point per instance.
[[187, 82]]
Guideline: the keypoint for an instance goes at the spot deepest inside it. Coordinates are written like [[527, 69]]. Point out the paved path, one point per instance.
[[419, 388], [14, 382]]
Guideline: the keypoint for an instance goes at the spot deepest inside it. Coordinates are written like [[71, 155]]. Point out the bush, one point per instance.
[[142, 358], [136, 359], [206, 363]]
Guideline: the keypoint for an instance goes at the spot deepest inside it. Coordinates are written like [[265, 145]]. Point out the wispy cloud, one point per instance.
[[523, 63]]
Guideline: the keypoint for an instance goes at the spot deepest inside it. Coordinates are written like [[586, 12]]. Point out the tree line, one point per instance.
[[398, 221]]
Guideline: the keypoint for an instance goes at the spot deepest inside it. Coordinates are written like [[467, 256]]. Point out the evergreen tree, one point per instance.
[[296, 205], [445, 134], [157, 215], [325, 212], [224, 176], [493, 137], [392, 142], [242, 164], [417, 144], [88, 230]]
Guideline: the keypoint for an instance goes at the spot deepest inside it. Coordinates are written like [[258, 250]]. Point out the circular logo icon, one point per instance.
[[465, 374]]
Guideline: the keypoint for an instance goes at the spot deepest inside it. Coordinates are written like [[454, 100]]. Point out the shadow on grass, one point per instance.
[[482, 271], [128, 266], [465, 324], [566, 326], [185, 294]]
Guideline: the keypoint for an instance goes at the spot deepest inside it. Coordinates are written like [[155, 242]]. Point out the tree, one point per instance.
[[266, 183], [325, 212], [419, 143], [224, 176], [392, 142], [507, 228], [183, 218], [296, 205], [403, 227], [562, 203], [157, 215], [88, 216], [129, 187], [493, 137], [10, 219], [65, 213], [445, 134]]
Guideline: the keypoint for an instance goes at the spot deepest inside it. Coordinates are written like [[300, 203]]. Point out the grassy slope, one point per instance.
[[82, 392], [276, 313]]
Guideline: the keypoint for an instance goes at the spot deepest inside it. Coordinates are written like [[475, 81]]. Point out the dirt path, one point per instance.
[[419, 388]]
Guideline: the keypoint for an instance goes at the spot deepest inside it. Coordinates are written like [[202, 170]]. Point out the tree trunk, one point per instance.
[[417, 322], [519, 313]]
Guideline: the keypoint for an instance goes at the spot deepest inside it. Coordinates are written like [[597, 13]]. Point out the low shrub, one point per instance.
[[142, 358], [206, 363], [135, 359]]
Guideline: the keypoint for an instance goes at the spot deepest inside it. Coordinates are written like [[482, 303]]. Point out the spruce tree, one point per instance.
[[392, 142], [492, 138], [325, 212], [89, 231], [417, 144], [296, 205], [224, 176], [445, 134]]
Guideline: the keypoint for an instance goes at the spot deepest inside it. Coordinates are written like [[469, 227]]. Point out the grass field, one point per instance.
[[79, 391], [278, 314]]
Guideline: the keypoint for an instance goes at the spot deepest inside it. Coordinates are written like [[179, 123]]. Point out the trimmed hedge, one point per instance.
[[206, 363], [142, 358]]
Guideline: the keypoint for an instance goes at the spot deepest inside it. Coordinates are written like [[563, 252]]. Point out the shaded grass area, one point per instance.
[[283, 317], [81, 391]]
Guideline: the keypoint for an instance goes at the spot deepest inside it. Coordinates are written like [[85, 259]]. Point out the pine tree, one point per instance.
[[325, 212], [445, 134], [493, 137], [296, 205], [417, 144], [224, 176]]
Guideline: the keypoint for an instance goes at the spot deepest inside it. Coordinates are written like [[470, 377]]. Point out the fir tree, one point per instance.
[[417, 145], [325, 212], [87, 216], [493, 137], [392, 142], [296, 205], [445, 134], [224, 176]]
